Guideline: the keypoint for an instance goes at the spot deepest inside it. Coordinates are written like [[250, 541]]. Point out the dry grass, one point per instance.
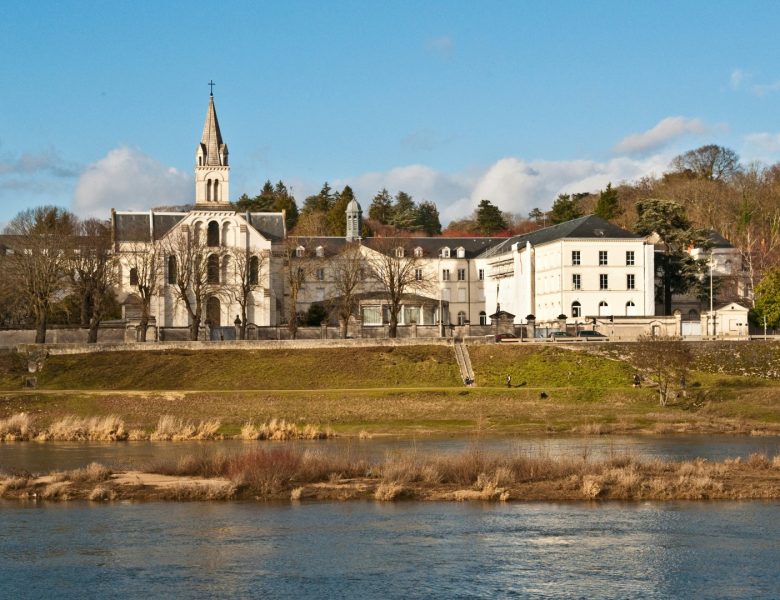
[[92, 473], [56, 491], [75, 429], [281, 430], [15, 428], [170, 428], [102, 494], [388, 491]]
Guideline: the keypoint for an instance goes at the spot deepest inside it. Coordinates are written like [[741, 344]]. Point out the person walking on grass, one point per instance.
[[508, 380]]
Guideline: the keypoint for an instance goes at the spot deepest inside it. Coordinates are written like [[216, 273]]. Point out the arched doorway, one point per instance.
[[213, 312]]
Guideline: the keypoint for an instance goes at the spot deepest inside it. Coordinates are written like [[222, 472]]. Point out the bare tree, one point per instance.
[[398, 271], [144, 260], [36, 266], [665, 361], [197, 277], [92, 271], [298, 264], [349, 268], [249, 265]]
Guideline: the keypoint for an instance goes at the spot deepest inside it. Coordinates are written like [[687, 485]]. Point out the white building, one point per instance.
[[580, 269]]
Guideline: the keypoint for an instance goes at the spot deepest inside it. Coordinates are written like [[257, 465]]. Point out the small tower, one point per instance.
[[212, 173], [354, 221]]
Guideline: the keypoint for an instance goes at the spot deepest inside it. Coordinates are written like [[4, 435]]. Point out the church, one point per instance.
[[214, 269]]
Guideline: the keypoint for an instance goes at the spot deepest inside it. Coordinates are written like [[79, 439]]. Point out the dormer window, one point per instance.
[[320, 251], [300, 251], [460, 252], [399, 252], [445, 252], [418, 252]]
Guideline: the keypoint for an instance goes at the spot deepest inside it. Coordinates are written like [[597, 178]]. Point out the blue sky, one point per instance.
[[103, 102]]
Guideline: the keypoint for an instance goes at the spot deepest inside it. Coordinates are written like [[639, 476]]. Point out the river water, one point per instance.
[[44, 457], [393, 550], [366, 549]]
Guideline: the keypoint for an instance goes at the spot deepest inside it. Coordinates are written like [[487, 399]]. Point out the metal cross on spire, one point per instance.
[[211, 87]]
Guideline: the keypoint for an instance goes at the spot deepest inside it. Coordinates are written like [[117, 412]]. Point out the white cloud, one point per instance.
[[762, 89], [126, 178], [513, 184], [762, 144], [665, 131]]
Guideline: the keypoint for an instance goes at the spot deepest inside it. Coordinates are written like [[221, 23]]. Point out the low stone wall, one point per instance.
[[233, 345], [13, 337]]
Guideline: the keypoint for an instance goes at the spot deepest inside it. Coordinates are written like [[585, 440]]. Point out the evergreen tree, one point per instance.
[[489, 218], [428, 218], [768, 299], [271, 199], [536, 215], [608, 205], [321, 202], [680, 272], [337, 214], [404, 212], [381, 208], [565, 208]]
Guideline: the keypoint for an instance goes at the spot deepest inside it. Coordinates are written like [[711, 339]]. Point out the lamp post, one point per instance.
[[712, 315]]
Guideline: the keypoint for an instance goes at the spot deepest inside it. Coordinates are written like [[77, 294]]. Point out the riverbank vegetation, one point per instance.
[[286, 474], [21, 427]]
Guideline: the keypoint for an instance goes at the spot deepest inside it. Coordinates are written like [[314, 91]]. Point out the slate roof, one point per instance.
[[134, 226], [431, 246], [587, 227], [717, 240], [271, 225]]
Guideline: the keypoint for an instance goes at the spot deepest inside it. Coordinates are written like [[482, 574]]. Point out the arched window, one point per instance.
[[445, 252], [212, 236], [460, 253], [226, 234], [461, 318], [630, 308], [300, 251], [225, 269], [399, 252], [254, 270], [208, 190], [172, 272], [727, 266], [216, 190], [418, 252], [482, 317], [133, 276], [693, 314], [212, 269], [576, 309], [604, 309]]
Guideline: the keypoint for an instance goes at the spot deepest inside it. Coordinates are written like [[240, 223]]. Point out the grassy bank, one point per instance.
[[390, 390], [280, 473]]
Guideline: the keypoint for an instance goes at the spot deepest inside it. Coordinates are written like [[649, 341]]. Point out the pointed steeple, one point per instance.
[[211, 164], [214, 148]]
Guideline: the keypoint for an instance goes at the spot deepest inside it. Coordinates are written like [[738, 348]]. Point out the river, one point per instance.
[[38, 457], [393, 550]]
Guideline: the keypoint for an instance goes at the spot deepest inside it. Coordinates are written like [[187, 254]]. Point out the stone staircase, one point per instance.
[[464, 363]]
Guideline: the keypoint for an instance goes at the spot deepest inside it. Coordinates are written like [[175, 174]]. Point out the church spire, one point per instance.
[[211, 163]]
